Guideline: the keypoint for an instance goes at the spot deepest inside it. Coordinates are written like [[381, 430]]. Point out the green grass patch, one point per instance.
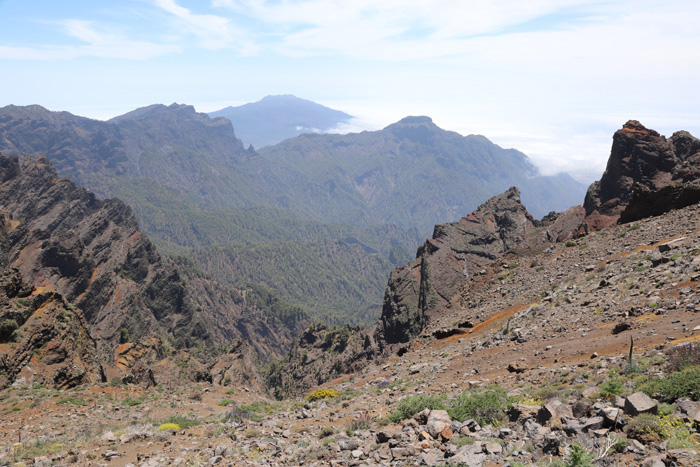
[[79, 401]]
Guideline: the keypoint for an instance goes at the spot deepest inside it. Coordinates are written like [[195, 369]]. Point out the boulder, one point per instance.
[[639, 403], [517, 367], [438, 421], [613, 417], [521, 412], [389, 432], [469, 455], [593, 423]]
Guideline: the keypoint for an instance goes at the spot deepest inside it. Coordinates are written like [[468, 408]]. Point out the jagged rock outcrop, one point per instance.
[[445, 262], [238, 367], [43, 339], [646, 175], [319, 354]]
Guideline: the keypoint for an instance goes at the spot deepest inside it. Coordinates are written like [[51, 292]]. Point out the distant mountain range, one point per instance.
[[414, 173], [276, 118], [307, 206]]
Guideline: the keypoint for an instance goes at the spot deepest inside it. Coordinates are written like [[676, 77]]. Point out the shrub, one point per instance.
[[570, 243], [363, 422], [485, 407], [79, 401], [169, 427], [236, 415], [578, 457], [7, 327], [182, 422], [462, 441], [325, 432], [644, 427], [668, 389], [129, 402], [124, 336], [411, 405], [681, 357], [613, 386], [677, 433], [322, 394]]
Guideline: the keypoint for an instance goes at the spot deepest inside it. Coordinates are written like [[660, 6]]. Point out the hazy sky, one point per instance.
[[553, 78]]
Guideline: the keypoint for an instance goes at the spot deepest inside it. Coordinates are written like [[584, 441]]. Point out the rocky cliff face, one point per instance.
[[646, 175], [60, 241], [90, 252], [443, 263], [43, 339]]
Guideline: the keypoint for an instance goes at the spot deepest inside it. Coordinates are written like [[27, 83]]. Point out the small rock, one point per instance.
[[446, 434], [581, 409], [593, 423], [493, 448], [552, 444], [416, 368], [438, 420], [402, 452], [348, 444], [613, 417], [635, 446], [42, 461], [432, 457], [387, 433], [469, 456]]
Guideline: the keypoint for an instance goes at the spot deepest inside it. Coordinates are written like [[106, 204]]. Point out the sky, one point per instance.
[[552, 78]]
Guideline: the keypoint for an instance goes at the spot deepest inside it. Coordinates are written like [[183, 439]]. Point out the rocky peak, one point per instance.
[[642, 162], [421, 119], [444, 263]]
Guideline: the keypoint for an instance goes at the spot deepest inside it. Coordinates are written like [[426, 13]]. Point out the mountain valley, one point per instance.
[[507, 340]]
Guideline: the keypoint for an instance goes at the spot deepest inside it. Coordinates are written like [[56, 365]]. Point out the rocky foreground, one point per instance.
[[530, 364]]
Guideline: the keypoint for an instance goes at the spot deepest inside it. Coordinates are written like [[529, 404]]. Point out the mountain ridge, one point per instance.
[[193, 184]]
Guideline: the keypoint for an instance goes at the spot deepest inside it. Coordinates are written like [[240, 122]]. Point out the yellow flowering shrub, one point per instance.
[[319, 394], [169, 426]]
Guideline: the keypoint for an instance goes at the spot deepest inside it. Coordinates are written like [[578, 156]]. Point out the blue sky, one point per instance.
[[553, 78]]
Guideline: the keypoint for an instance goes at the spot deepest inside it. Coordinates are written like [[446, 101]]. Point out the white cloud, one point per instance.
[[99, 42], [214, 32]]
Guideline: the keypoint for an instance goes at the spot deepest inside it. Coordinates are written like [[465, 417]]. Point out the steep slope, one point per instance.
[[336, 282], [414, 174], [89, 253], [276, 118], [192, 184]]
